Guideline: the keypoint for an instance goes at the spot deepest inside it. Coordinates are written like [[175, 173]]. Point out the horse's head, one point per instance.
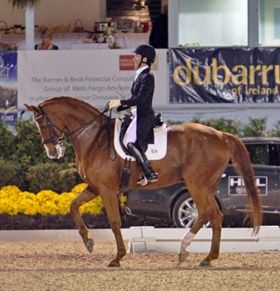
[[52, 135]]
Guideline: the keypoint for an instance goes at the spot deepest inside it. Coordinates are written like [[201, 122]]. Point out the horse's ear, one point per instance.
[[32, 108]]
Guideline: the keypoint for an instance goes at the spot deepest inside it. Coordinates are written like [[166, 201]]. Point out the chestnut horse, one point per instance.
[[199, 154]]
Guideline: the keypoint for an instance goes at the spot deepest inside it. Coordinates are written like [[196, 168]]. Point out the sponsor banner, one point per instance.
[[236, 185], [8, 117], [8, 87], [95, 76], [224, 75]]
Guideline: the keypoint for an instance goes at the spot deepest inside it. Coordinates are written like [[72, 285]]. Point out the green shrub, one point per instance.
[[276, 130], [28, 148], [255, 127], [9, 173], [6, 142], [22, 150], [69, 177], [53, 176]]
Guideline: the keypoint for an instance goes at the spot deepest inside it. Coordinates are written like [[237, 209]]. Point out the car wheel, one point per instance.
[[184, 212]]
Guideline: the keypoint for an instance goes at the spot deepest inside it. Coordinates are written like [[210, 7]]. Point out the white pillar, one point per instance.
[[29, 27], [173, 23], [253, 23]]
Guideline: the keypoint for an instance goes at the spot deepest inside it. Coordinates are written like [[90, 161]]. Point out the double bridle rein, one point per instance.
[[58, 141]]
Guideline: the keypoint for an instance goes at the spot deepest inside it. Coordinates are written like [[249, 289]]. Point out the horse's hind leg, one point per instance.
[[208, 210], [186, 241], [82, 198], [216, 220], [111, 204]]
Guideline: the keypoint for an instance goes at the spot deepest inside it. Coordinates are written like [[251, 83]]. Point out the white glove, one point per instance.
[[114, 104]]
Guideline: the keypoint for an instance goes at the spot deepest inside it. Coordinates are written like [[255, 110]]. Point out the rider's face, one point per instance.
[[137, 61]]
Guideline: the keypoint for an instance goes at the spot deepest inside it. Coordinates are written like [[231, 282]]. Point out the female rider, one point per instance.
[[140, 132]]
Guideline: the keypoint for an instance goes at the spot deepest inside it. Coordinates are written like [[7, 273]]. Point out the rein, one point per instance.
[[54, 138]]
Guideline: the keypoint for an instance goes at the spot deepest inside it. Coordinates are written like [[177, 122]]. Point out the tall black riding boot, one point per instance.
[[143, 162]]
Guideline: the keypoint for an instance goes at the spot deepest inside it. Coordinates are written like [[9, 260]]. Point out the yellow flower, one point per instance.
[[123, 200], [8, 207], [79, 188], [46, 195], [10, 189], [28, 204], [46, 202], [64, 202], [92, 207], [48, 208]]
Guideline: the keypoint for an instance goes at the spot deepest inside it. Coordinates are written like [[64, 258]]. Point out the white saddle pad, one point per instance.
[[154, 151]]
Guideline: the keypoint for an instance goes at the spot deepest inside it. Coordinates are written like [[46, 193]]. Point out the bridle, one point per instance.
[[53, 137], [58, 141]]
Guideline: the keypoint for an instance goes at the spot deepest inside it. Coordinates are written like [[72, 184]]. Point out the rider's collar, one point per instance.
[[139, 71]]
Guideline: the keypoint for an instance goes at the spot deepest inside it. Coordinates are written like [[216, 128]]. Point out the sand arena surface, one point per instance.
[[58, 265]]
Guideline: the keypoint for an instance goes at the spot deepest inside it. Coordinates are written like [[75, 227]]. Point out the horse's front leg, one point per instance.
[[86, 195], [111, 204]]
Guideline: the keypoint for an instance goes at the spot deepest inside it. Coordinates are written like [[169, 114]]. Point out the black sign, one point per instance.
[[224, 75], [236, 185]]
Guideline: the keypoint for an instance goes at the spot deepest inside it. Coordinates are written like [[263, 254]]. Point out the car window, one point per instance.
[[258, 153], [274, 154]]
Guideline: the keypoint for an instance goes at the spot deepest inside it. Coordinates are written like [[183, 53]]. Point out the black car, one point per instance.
[[174, 203]]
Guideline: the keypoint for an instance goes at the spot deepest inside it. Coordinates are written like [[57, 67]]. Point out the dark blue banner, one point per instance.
[[8, 87], [224, 75], [8, 117]]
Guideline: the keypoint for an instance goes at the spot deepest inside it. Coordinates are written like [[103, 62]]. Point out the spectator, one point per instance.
[[46, 44]]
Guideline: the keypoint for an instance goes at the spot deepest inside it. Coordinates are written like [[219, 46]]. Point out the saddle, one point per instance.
[[154, 151]]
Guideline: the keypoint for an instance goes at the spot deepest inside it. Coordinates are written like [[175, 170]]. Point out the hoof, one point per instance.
[[114, 263], [204, 264], [182, 257], [89, 245]]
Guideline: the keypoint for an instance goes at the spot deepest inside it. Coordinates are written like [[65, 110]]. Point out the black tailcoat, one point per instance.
[[142, 91]]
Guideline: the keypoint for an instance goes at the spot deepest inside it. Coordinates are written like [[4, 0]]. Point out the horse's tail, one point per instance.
[[242, 164]]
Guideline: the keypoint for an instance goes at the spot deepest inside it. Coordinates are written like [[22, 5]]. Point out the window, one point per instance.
[[213, 22], [269, 16], [258, 154], [274, 154]]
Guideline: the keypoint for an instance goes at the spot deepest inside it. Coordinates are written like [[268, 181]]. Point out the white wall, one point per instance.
[[213, 22], [95, 76], [56, 12]]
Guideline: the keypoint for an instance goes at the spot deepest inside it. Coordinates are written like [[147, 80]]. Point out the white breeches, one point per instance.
[[130, 134]]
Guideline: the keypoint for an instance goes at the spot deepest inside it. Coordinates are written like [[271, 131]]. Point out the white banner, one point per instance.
[[95, 76]]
